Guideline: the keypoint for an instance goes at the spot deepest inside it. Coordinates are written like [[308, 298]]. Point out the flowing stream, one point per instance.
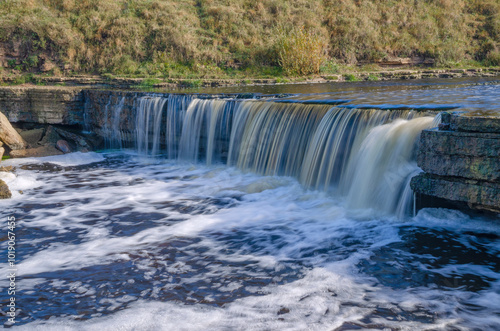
[[245, 214]]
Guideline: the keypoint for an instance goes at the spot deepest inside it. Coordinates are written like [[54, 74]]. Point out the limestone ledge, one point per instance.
[[50, 105], [461, 162], [477, 195]]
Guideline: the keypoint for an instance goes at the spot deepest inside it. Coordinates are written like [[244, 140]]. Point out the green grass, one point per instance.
[[351, 78], [192, 83]]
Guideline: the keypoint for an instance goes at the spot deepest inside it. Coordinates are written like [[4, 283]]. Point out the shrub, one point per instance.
[[493, 58], [300, 51], [350, 78]]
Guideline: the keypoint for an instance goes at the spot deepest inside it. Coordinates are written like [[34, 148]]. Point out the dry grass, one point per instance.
[[301, 52], [204, 38]]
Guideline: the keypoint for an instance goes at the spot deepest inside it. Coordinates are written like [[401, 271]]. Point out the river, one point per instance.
[[267, 227]]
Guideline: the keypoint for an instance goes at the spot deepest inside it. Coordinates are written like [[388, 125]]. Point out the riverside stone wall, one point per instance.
[[44, 105], [461, 164], [100, 105]]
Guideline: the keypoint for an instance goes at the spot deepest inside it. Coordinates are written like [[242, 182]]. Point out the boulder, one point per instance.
[[79, 141], [2, 151], [63, 146], [4, 191], [51, 136], [9, 135], [32, 137]]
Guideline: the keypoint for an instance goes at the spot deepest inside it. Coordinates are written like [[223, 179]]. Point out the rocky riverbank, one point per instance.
[[461, 164], [29, 139], [173, 83]]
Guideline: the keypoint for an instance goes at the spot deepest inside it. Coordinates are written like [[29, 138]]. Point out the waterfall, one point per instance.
[[365, 155], [176, 109], [271, 138], [148, 124], [116, 134], [379, 172], [206, 130]]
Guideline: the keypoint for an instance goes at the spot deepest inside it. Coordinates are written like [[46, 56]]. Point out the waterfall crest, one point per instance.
[[365, 155]]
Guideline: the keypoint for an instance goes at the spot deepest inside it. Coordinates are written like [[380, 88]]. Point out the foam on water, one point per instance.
[[71, 159], [124, 244]]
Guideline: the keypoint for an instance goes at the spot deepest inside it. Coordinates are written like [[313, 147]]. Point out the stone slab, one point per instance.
[[483, 124], [460, 143], [476, 194], [463, 166]]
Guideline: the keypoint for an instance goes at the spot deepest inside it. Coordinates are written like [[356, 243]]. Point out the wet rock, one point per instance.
[[6, 169], [51, 136], [460, 154], [36, 152], [4, 191], [43, 104], [481, 195], [9, 135], [32, 137], [461, 161], [459, 122], [78, 140], [63, 146]]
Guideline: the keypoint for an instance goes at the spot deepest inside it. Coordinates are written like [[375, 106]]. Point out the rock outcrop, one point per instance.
[[50, 105], [32, 137], [461, 163], [9, 135]]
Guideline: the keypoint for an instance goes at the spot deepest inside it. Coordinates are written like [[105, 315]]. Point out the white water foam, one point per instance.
[[238, 251], [65, 160]]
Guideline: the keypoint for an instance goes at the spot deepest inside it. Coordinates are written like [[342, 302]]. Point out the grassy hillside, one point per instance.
[[210, 38]]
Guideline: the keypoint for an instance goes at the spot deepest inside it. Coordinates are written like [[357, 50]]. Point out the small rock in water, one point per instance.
[[6, 169], [4, 191], [63, 146]]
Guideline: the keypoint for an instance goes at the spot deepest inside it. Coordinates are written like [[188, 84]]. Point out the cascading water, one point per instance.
[[207, 127], [113, 241], [176, 109], [116, 135], [378, 173], [148, 124], [366, 155]]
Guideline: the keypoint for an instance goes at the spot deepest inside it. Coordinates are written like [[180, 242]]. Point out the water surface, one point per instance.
[[123, 243]]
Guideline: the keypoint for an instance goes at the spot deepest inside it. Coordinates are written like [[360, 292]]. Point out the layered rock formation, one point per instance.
[[461, 164], [50, 105]]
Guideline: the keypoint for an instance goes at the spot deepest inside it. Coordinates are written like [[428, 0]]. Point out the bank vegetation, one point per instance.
[[222, 38]]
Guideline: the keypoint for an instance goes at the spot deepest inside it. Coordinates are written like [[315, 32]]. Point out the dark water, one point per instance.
[[125, 244], [480, 96]]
